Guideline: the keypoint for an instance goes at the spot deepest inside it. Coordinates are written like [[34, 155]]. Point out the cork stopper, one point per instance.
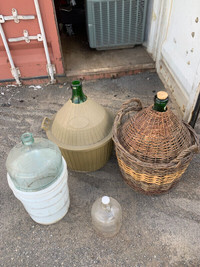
[[162, 95]]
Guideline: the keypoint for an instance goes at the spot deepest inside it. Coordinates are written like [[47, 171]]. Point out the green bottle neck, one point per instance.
[[160, 104], [77, 93]]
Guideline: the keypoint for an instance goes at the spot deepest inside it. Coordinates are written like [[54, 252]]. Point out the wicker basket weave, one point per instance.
[[153, 148]]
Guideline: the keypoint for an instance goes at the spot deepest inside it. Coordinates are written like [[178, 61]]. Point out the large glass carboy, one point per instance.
[[34, 164]]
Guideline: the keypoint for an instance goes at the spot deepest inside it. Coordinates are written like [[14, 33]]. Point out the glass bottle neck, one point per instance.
[[77, 93], [160, 104], [106, 207], [27, 139], [105, 202]]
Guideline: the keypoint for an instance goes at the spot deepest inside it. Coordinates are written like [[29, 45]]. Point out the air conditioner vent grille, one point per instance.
[[116, 23]]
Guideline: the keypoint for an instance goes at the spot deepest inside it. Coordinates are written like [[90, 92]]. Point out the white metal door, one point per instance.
[[175, 35]]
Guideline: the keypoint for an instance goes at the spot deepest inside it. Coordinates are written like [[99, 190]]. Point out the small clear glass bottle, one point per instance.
[[106, 216], [34, 164]]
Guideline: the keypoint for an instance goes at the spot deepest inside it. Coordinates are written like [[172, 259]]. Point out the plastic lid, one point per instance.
[[34, 164], [162, 95], [105, 200]]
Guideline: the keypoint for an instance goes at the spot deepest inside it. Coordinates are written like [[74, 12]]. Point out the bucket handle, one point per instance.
[[46, 123], [129, 106]]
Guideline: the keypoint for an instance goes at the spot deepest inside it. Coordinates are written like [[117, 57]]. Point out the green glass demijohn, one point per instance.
[[34, 164]]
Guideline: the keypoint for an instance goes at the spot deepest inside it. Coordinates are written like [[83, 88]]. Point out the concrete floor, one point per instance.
[[81, 61], [157, 230]]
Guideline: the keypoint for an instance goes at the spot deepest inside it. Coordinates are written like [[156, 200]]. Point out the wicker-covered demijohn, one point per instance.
[[153, 148]]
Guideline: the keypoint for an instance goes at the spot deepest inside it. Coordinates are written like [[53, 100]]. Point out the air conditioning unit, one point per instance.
[[115, 23]]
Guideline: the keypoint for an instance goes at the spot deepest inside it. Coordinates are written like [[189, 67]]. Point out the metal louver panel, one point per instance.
[[115, 23]]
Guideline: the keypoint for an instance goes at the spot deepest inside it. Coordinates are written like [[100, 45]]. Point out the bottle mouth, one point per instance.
[[105, 200], [75, 84], [27, 139]]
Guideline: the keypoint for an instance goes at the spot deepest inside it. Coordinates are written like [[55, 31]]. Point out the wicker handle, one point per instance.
[[46, 123], [128, 107], [192, 149]]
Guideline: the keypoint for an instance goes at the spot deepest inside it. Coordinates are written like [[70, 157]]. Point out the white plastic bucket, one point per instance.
[[49, 205]]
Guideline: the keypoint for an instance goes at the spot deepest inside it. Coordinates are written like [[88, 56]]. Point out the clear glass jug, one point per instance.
[[34, 164], [106, 216]]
